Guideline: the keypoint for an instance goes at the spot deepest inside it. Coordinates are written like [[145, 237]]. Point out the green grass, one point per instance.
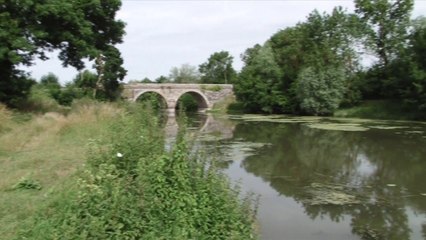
[[48, 149], [382, 109], [102, 172]]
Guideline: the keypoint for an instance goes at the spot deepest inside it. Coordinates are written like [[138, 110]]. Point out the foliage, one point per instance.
[[49, 148], [382, 109], [110, 73], [14, 86], [86, 81], [321, 41], [51, 83], [40, 100], [78, 29], [332, 44], [132, 189], [218, 69], [162, 79], [387, 23], [27, 183], [414, 68], [188, 103], [184, 74], [258, 86], [320, 90], [153, 100]]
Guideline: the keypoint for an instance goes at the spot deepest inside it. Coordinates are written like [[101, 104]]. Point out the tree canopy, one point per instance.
[[186, 73], [78, 29], [218, 69], [269, 79], [317, 65]]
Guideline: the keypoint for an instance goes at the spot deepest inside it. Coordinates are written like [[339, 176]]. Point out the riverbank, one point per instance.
[[102, 172], [381, 109], [370, 109]]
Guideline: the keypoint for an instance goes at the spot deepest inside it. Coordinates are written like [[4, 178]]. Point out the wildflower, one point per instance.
[[119, 155]]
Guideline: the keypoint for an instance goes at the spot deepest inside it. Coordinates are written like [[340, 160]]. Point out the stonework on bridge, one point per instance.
[[206, 95]]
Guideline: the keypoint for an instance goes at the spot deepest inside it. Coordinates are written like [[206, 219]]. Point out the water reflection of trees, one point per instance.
[[364, 161]]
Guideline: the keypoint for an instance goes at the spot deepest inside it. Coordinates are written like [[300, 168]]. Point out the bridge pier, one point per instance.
[[171, 112]]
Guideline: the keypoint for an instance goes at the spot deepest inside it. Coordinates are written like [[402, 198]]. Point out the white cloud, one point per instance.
[[164, 34]]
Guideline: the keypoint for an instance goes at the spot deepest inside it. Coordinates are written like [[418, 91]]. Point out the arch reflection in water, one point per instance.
[[198, 125]]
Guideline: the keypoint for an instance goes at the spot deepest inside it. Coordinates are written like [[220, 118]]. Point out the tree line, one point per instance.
[[314, 67], [319, 65]]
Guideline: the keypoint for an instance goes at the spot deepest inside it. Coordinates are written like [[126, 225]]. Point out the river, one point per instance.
[[324, 178]]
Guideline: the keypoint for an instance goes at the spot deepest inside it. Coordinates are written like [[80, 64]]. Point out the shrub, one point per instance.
[[319, 91], [134, 189]]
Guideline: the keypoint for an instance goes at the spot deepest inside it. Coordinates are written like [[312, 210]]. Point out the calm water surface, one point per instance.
[[302, 172]]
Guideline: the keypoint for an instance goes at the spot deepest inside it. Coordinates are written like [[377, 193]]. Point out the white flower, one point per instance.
[[119, 155]]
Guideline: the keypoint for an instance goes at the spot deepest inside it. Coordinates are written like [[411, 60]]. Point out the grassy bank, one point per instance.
[[45, 150], [382, 109], [128, 188]]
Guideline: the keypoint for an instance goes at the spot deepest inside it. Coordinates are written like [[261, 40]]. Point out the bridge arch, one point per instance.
[[202, 101], [205, 94], [158, 93]]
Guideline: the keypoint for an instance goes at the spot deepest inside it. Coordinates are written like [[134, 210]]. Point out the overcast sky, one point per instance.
[[164, 34]]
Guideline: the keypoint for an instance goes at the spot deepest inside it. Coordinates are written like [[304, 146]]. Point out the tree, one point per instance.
[[387, 24], [409, 70], [258, 86], [51, 83], [162, 79], [218, 69], [78, 29], [268, 81], [185, 74], [320, 90], [86, 82]]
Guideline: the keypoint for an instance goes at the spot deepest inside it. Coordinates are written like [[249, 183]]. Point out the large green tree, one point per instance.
[[320, 90], [314, 49], [186, 73], [79, 29], [218, 69], [258, 86], [387, 23], [408, 72]]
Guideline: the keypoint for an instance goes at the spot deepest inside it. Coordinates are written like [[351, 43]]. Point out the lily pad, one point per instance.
[[323, 194], [350, 127], [414, 132], [286, 120], [387, 127]]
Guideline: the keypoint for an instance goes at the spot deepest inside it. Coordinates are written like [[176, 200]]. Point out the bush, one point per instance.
[[133, 189], [319, 91], [40, 101]]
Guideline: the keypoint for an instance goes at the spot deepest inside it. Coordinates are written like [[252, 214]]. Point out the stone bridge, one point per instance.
[[206, 95]]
